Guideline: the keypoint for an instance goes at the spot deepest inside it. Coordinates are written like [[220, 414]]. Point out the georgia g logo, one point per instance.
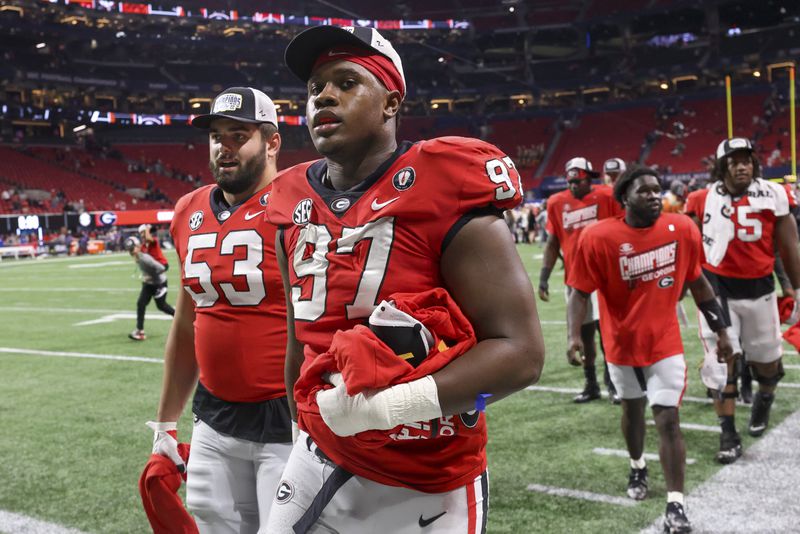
[[404, 178], [302, 212], [666, 282], [285, 492]]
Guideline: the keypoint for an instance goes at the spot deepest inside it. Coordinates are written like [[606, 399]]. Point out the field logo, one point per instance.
[[196, 220]]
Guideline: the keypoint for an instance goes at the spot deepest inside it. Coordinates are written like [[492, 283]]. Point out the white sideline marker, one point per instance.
[[791, 366], [12, 523], [788, 385], [624, 454], [12, 350], [575, 391], [70, 289], [99, 264], [693, 426], [584, 495]]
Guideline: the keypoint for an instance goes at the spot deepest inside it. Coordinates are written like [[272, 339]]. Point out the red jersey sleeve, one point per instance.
[[791, 194], [551, 215], [281, 204], [584, 267], [695, 203], [694, 245], [487, 175]]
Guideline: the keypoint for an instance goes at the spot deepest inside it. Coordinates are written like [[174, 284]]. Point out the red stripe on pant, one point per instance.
[[472, 523]]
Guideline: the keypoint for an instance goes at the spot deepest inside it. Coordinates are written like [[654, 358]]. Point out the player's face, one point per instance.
[[237, 155], [579, 183], [345, 107], [643, 199], [740, 170]]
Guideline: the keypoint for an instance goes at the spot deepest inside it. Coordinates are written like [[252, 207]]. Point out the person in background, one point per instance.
[[154, 285]]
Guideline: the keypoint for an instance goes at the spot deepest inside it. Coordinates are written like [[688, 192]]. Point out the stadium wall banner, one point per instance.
[[52, 222], [131, 217]]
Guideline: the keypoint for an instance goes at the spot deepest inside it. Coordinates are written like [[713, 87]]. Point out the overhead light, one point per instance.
[[757, 73], [441, 59], [195, 105], [511, 9], [41, 45], [664, 86], [435, 106], [79, 128], [521, 101]]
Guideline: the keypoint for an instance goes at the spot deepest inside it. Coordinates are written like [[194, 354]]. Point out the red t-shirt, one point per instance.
[[639, 274], [154, 249], [750, 253], [230, 269], [348, 250], [567, 216]]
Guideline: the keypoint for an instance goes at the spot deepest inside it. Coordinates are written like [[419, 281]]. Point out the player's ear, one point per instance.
[[391, 105]]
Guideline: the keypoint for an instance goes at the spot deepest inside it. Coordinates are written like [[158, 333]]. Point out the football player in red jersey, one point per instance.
[[638, 265], [742, 218], [370, 219], [229, 334], [568, 213]]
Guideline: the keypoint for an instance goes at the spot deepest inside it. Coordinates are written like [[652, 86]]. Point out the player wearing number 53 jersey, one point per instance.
[[371, 219], [230, 326]]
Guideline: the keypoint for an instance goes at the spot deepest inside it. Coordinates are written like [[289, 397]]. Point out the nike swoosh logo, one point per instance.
[[425, 522], [248, 215], [380, 205]]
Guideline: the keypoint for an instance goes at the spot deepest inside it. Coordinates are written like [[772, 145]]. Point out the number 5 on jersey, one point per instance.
[[248, 269]]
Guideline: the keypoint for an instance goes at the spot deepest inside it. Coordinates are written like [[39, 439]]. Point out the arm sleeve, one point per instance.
[[150, 266], [694, 245], [692, 205], [584, 267]]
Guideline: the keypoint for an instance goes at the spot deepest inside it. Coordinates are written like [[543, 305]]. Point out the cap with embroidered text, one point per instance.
[[582, 164], [729, 146], [243, 104], [306, 47]]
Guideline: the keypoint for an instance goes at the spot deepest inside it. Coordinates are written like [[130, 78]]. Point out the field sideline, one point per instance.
[[75, 393]]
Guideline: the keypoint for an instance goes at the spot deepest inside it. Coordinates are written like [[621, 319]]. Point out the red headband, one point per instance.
[[378, 64]]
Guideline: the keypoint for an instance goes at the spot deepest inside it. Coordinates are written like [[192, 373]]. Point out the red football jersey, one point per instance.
[[639, 274], [154, 249], [348, 250], [750, 253], [229, 267], [567, 216]]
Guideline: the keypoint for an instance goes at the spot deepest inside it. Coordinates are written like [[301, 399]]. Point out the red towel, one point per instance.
[[158, 487]]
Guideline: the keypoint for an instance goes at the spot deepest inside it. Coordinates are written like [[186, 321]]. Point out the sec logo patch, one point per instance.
[[302, 212], [196, 220]]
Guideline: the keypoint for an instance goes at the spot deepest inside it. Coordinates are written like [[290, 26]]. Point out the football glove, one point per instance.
[[165, 442], [380, 409], [795, 316]]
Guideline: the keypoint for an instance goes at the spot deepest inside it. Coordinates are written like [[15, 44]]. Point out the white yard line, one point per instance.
[[791, 366], [693, 426], [31, 352], [69, 289], [11, 523], [624, 454], [36, 309], [99, 264], [758, 493], [583, 495], [575, 391]]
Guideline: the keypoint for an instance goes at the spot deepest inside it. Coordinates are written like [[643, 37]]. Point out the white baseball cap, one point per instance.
[[243, 104], [614, 165], [729, 146], [582, 164], [306, 47]]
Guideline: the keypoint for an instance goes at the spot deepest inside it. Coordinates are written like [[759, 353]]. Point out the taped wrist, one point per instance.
[[714, 315], [544, 277], [410, 402], [160, 426]]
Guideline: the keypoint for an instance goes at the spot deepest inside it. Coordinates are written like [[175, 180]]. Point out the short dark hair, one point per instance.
[[627, 178], [267, 129], [720, 168]]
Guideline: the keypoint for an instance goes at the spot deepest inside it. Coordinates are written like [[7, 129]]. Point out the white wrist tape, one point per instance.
[[158, 426], [381, 409]]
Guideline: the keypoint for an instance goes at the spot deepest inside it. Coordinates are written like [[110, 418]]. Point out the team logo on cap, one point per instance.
[[404, 178], [196, 220], [340, 204], [302, 212], [285, 492], [227, 102]]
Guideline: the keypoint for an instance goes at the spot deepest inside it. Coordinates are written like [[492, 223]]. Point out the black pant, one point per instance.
[[148, 292]]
